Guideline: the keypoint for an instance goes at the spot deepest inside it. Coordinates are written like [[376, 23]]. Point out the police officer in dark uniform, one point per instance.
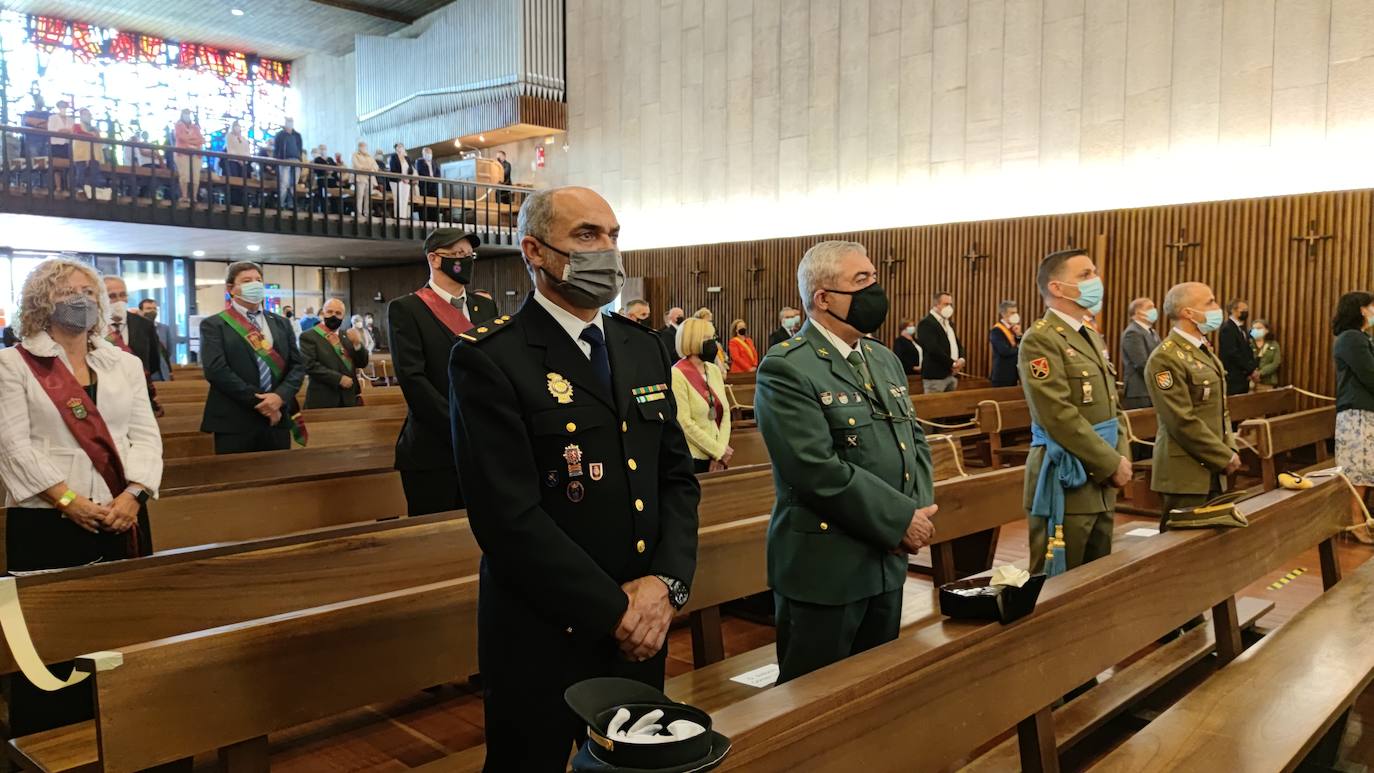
[[579, 485]]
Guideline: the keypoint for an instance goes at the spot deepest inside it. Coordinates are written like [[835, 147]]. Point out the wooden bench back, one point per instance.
[[998, 416], [210, 517], [329, 434], [1254, 405], [981, 679], [175, 697], [107, 606], [236, 471], [960, 402], [1289, 431], [384, 410]]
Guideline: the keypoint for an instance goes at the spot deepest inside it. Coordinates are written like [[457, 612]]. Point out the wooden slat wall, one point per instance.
[[1246, 250]]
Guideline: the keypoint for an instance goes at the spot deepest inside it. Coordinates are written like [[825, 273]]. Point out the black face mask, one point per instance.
[[290, 314], [678, 320], [1244, 316], [741, 331], [458, 268], [710, 350], [151, 316], [867, 308], [333, 323]]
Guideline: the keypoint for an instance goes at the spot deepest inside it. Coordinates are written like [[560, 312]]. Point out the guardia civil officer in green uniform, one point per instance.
[[1195, 447], [1080, 449], [850, 465]]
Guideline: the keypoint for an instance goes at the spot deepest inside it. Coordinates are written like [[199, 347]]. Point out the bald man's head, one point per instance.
[[332, 308], [1186, 295]]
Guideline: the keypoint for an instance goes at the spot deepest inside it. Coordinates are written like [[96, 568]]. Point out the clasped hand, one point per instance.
[[270, 406], [118, 516], [644, 626], [920, 531]]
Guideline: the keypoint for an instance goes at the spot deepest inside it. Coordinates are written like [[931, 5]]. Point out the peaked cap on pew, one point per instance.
[[596, 702]]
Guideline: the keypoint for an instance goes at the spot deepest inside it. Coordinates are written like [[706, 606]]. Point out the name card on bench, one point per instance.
[[763, 676]]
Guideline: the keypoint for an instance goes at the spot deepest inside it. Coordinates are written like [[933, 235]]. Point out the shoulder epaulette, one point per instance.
[[783, 348], [485, 330]]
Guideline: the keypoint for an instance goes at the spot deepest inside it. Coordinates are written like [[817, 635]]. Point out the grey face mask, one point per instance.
[[76, 313], [590, 279]]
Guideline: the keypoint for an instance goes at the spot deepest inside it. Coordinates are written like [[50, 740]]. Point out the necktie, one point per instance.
[[461, 304], [601, 362], [264, 373], [856, 361]]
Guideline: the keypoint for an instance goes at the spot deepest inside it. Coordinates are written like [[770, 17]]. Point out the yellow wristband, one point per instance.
[[66, 499]]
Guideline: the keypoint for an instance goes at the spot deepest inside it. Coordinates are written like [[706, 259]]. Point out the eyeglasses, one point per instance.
[[454, 254]]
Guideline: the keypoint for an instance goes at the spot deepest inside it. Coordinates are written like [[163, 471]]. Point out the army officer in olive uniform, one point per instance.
[[579, 485], [1080, 448], [1195, 447], [850, 465]]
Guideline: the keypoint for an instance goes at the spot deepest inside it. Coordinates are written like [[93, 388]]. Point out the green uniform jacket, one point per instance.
[[1070, 387], [1195, 442], [848, 473], [1269, 359]]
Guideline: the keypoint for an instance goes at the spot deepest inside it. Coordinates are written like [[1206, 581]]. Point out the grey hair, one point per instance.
[[783, 314], [820, 267], [536, 215], [36, 299], [1004, 305], [1176, 300]]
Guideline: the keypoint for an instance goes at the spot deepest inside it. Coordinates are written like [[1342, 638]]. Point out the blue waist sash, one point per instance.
[[1060, 472]]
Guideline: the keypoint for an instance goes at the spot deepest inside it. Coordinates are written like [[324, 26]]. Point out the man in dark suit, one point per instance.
[[133, 334], [790, 322], [424, 166], [1005, 339], [943, 358], [250, 358], [668, 333], [148, 309], [1233, 346], [1138, 342], [580, 486], [423, 327], [332, 360]]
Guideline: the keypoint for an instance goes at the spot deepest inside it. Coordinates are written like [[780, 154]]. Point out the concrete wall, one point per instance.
[[771, 117], [327, 89]]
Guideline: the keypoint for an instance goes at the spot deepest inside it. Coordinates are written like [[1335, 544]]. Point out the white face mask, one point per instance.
[[119, 309], [1014, 319], [947, 311]]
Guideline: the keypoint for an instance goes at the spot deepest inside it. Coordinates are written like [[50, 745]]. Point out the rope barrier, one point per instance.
[[966, 425], [955, 449], [1268, 437], [996, 406], [1130, 431], [1314, 395]]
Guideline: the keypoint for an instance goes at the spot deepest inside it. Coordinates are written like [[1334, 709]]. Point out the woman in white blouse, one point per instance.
[[699, 390], [74, 416]]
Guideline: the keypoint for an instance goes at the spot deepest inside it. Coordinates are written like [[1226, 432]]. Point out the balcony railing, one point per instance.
[[76, 175]]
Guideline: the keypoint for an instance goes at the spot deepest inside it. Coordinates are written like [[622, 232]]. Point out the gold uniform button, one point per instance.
[[1085, 372], [639, 505], [639, 546], [571, 427], [825, 526], [906, 476], [481, 330], [632, 464], [569, 629], [500, 321], [902, 443], [624, 427], [851, 422]]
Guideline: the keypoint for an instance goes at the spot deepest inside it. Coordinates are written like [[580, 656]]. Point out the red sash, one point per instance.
[[1011, 338], [452, 318], [694, 377], [118, 340]]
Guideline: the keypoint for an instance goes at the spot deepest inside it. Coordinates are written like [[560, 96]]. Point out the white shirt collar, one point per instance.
[[1198, 342], [841, 348], [570, 322], [1074, 322], [1143, 325], [122, 319], [939, 317], [244, 310], [446, 295]]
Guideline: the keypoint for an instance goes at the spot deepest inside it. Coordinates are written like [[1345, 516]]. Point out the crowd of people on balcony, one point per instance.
[[88, 168]]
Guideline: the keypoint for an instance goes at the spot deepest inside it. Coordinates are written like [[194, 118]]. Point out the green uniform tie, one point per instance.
[[856, 361]]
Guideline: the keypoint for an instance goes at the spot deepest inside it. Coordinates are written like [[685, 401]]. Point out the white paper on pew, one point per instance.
[[16, 633], [763, 676], [1143, 531]]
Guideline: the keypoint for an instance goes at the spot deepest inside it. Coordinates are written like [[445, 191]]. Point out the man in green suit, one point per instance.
[[1080, 448], [851, 467], [1195, 447]]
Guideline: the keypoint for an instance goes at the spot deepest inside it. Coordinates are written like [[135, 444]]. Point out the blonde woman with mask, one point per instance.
[[699, 390]]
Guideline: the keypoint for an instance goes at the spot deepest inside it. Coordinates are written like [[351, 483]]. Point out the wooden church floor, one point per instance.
[[407, 733]]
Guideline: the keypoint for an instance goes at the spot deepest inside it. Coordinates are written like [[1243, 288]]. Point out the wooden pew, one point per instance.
[[328, 434], [875, 710], [195, 408], [238, 471], [1284, 699], [1269, 438], [997, 417], [173, 426]]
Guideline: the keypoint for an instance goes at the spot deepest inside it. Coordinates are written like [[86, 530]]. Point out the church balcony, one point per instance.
[[133, 184]]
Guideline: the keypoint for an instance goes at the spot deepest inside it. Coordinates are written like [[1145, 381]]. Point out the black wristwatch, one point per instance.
[[678, 592]]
